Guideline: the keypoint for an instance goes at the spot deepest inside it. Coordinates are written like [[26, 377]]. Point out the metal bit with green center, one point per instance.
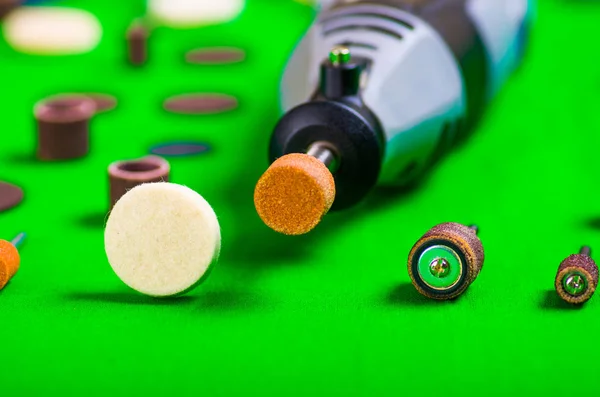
[[440, 267]]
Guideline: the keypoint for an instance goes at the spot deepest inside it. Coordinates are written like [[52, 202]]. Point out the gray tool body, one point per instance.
[[428, 69]]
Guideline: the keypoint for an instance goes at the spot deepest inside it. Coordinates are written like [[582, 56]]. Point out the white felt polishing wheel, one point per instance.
[[52, 30], [162, 238], [190, 13]]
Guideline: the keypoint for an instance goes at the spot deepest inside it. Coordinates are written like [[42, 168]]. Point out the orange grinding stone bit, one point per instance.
[[294, 194], [9, 262]]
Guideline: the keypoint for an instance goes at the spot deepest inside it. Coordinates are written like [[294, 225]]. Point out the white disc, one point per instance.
[[190, 13], [161, 238], [52, 30]]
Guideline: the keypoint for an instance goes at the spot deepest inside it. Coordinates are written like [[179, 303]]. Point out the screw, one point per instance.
[[339, 55], [575, 284], [439, 267]]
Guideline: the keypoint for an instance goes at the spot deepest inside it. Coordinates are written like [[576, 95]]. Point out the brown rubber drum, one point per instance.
[[63, 127], [126, 174]]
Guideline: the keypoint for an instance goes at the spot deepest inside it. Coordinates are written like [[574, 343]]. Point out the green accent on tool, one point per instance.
[[574, 283], [339, 55], [440, 267]]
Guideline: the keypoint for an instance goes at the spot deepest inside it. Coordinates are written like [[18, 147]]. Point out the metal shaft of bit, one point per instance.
[[325, 153], [475, 228], [585, 250], [18, 240]]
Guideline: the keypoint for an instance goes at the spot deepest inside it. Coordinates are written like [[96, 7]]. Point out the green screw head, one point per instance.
[[339, 55], [439, 267], [574, 283]]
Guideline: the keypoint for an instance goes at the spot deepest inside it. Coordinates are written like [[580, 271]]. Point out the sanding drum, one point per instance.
[[577, 278], [63, 127], [459, 252], [127, 174]]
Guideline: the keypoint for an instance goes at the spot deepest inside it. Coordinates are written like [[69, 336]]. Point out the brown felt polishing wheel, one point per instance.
[[63, 127], [9, 262], [582, 265], [462, 240], [126, 174], [294, 194]]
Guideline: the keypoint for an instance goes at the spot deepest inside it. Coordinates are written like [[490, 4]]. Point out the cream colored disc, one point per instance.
[[161, 238], [52, 30], [190, 13]]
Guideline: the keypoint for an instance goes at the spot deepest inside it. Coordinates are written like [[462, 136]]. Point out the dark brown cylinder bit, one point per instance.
[[126, 174], [63, 127]]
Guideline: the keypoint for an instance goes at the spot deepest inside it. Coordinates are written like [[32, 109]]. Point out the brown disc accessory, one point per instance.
[[63, 126], [200, 103], [137, 43], [215, 56], [577, 277], [127, 174], [10, 259], [103, 102], [294, 194], [446, 260], [10, 196]]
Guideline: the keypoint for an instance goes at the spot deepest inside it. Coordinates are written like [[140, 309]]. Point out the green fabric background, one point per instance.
[[331, 313]]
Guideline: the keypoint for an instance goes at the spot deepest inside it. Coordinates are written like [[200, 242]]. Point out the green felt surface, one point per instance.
[[331, 313]]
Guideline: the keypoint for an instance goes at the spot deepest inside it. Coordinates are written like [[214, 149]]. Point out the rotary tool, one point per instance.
[[376, 92]]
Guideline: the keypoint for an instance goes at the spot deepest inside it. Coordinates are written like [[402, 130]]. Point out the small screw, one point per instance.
[[575, 284], [339, 55], [585, 250], [475, 228], [439, 267]]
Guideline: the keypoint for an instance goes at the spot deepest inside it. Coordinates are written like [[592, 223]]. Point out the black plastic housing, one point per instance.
[[337, 114]]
